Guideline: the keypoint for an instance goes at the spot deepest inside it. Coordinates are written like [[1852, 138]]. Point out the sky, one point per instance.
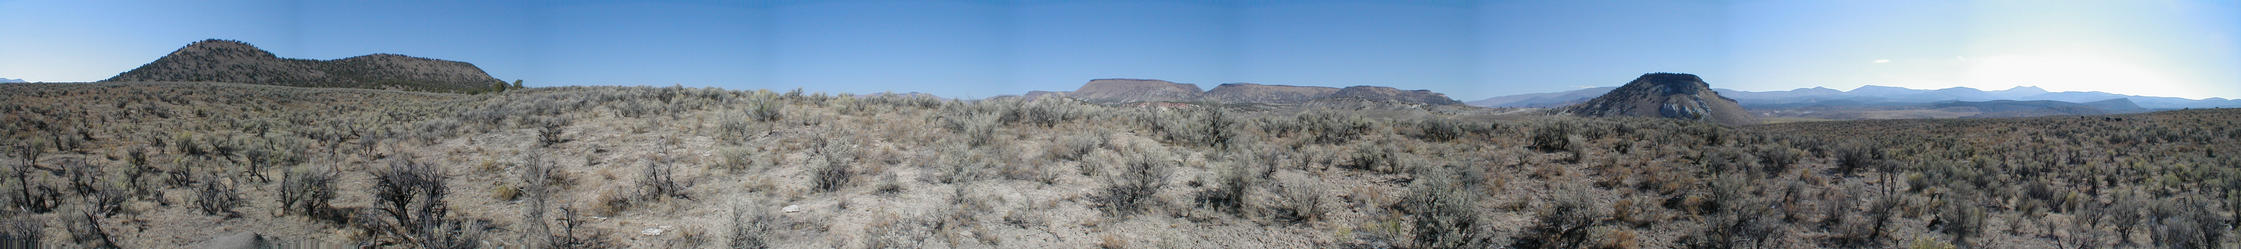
[[970, 49]]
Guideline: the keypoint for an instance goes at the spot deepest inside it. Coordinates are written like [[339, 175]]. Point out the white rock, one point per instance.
[[651, 232], [793, 208]]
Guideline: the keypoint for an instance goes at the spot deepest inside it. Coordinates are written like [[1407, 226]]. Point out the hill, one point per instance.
[[1667, 95], [234, 61]]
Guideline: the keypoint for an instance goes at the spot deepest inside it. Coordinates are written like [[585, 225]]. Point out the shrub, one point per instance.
[[535, 180], [839, 159], [22, 232], [763, 109], [750, 227], [1072, 148], [1776, 158], [136, 167], [979, 128], [1564, 223], [960, 165], [1228, 194], [35, 198], [2125, 213], [1198, 126], [572, 234], [1298, 200], [1552, 138], [1851, 158], [2189, 224], [1963, 219], [735, 158], [108, 199], [734, 129], [1375, 157], [409, 209], [659, 180], [1738, 219], [1615, 238], [1131, 189], [216, 198], [102, 197], [1048, 112], [85, 229], [1444, 211], [307, 191], [1330, 127], [549, 130], [1447, 129]]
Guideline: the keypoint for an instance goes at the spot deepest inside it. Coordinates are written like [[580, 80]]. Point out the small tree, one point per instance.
[[517, 84]]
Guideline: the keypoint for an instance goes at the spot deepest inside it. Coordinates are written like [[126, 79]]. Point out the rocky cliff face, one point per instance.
[[237, 62], [1667, 95]]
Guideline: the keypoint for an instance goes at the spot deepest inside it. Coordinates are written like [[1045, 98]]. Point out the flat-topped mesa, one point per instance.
[[1667, 95], [1393, 95], [1116, 91], [1135, 90], [1273, 94], [238, 62]]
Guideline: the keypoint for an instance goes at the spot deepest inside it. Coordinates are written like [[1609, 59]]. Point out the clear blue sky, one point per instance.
[[1468, 49]]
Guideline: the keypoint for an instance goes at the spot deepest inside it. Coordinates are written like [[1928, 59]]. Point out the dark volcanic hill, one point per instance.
[[233, 61], [1668, 95]]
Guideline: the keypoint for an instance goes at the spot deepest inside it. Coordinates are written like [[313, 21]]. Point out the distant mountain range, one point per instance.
[[1873, 96], [234, 61], [1120, 91], [7, 80]]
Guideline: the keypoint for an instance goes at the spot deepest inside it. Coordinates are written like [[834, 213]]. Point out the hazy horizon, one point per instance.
[[969, 49]]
